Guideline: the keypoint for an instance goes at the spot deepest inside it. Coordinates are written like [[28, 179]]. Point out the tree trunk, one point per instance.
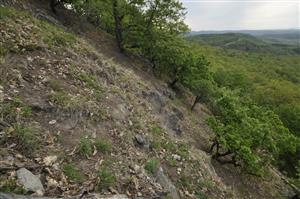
[[213, 146], [195, 102], [118, 26], [53, 4], [223, 154]]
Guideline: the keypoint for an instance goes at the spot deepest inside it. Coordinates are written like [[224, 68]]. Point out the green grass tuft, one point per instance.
[[201, 195], [7, 12], [85, 147], [103, 145], [156, 130], [106, 179], [27, 137], [54, 36], [11, 186], [151, 166], [60, 98], [73, 173], [9, 110]]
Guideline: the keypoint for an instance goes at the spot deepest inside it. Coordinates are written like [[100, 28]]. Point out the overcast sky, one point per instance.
[[242, 14]]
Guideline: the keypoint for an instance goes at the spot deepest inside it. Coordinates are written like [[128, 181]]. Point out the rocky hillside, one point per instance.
[[78, 117]]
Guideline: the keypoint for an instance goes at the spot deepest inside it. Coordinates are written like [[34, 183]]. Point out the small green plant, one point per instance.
[[156, 144], [151, 166], [11, 109], [11, 186], [26, 137], [105, 178], [26, 111], [73, 173], [156, 130], [169, 146], [201, 195], [103, 145], [171, 161], [60, 98], [183, 150], [90, 82], [205, 184], [6, 12], [85, 147], [3, 49], [184, 181]]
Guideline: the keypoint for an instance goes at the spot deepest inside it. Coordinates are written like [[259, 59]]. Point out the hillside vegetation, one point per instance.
[[271, 80], [135, 110]]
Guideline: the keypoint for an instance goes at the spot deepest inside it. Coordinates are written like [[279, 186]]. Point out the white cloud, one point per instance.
[[237, 14]]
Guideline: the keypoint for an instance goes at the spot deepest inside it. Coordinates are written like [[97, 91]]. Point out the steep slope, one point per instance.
[[85, 117]]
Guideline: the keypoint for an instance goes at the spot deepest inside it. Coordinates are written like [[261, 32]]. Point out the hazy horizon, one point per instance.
[[227, 15]]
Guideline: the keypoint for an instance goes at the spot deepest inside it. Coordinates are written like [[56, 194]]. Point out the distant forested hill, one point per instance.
[[288, 36], [282, 44]]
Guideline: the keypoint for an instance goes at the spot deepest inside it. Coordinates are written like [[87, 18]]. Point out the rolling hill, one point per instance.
[[247, 42]]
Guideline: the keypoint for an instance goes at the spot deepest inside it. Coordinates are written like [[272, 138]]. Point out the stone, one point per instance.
[[173, 123], [178, 113], [43, 16], [1, 94], [166, 183], [52, 122], [169, 93], [120, 112], [29, 181], [140, 139], [3, 125], [156, 99], [176, 157]]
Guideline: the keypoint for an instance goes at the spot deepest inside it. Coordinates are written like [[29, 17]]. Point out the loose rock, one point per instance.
[[141, 140], [29, 181], [166, 183]]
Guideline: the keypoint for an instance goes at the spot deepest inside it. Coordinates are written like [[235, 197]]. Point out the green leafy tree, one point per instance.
[[250, 135]]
